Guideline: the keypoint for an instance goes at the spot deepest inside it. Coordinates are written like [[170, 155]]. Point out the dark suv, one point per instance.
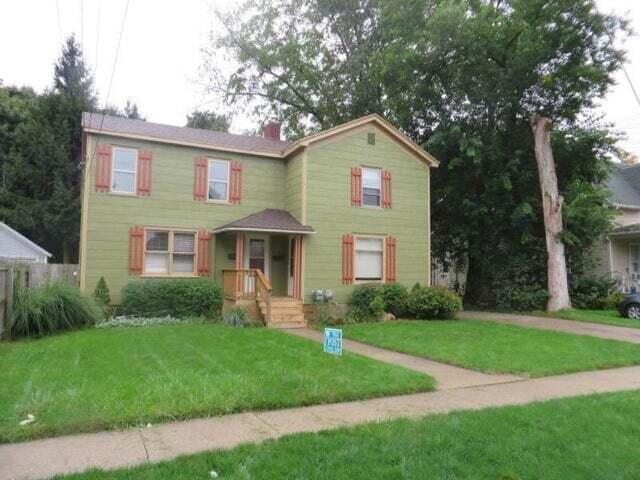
[[630, 306]]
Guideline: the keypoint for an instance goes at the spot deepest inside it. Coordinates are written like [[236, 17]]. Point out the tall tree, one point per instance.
[[208, 120], [463, 78], [558, 285]]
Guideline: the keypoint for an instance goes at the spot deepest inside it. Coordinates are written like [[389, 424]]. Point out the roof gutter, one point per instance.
[[265, 230]]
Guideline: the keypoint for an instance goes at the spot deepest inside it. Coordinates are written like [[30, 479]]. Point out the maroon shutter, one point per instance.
[[390, 256], [386, 189], [204, 253], [136, 250], [200, 179], [144, 172], [103, 168], [347, 258], [235, 189], [356, 187]]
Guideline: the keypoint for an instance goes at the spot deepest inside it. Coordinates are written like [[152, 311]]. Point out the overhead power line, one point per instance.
[[635, 94]]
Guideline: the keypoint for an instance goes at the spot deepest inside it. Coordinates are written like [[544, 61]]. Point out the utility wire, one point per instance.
[[113, 71], [635, 94]]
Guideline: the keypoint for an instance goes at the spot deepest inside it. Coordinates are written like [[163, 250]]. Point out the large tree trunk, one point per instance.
[[552, 209]]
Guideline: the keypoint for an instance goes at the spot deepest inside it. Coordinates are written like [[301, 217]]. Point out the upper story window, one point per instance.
[[368, 258], [219, 180], [169, 252], [371, 186], [125, 161]]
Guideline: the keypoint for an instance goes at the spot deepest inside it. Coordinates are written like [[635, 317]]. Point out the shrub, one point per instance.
[[101, 293], [55, 307], [611, 301], [589, 292], [184, 297], [395, 298], [363, 295], [433, 302], [526, 299], [238, 318]]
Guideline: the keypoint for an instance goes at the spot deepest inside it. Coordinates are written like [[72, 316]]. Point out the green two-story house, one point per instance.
[[277, 224]]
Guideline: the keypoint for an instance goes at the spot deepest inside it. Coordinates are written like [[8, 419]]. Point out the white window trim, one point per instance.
[[170, 253], [384, 258], [363, 168], [114, 170], [209, 180]]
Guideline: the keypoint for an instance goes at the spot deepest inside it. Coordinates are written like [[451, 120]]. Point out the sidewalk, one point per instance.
[[108, 450], [611, 332]]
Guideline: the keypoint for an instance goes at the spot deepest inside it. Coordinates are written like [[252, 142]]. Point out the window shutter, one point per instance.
[[356, 187], [103, 168], [347, 259], [144, 172], [235, 188], [386, 189], [204, 253], [390, 255], [136, 250], [200, 179]]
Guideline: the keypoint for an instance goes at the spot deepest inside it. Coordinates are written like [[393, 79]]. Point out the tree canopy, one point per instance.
[[462, 78], [208, 120]]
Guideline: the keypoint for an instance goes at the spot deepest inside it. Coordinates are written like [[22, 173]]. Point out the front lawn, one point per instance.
[[607, 317], [497, 348], [99, 379], [594, 437]]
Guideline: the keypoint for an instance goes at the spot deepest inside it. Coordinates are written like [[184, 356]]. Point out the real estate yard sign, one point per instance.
[[333, 341]]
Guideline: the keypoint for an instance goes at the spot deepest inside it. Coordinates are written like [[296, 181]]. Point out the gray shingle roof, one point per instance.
[[270, 219], [111, 124], [624, 184]]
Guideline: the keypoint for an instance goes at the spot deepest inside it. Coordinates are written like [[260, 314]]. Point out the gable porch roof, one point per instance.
[[269, 220]]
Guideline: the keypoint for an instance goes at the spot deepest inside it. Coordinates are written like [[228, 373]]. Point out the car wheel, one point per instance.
[[633, 311]]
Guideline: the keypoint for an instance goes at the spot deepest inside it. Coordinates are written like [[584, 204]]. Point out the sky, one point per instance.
[[157, 65]]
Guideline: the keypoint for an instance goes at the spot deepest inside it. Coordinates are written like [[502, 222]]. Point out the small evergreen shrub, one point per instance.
[[55, 307], [395, 297], [527, 299], [179, 298], [361, 304], [433, 302], [101, 293], [589, 292]]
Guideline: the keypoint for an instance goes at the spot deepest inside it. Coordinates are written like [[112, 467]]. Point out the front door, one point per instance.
[[292, 251], [256, 254]]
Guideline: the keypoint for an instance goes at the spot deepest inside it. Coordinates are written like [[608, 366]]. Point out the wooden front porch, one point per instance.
[[249, 288]]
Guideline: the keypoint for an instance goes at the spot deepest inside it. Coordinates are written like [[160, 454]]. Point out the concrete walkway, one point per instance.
[[611, 332], [446, 376], [108, 450]]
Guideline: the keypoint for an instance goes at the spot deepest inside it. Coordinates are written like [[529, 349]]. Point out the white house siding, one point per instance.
[[14, 248]]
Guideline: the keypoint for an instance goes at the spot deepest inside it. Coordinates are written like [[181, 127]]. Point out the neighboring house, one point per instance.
[[273, 222], [16, 248], [620, 250]]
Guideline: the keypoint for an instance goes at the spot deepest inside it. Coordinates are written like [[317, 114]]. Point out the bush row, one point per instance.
[[370, 301]]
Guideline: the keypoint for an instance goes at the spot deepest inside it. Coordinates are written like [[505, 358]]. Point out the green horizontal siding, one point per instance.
[[170, 205], [330, 213]]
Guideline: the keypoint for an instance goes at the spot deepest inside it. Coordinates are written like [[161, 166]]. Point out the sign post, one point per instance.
[[333, 341]]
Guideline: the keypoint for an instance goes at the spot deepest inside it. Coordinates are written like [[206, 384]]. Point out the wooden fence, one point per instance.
[[31, 275]]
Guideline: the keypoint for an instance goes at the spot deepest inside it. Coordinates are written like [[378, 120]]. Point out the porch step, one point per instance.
[[285, 313]]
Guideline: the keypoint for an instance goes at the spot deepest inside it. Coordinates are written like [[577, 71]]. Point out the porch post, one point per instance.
[[239, 264], [297, 268]]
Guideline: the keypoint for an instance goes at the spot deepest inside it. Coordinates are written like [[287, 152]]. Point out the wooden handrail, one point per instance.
[[249, 284]]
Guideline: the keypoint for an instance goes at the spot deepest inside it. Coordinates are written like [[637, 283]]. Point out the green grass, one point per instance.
[[101, 379], [595, 437], [607, 317], [497, 348]]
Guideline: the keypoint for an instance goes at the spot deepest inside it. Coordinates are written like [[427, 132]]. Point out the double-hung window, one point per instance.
[[169, 252], [371, 181], [368, 261], [219, 180], [123, 178], [634, 261]]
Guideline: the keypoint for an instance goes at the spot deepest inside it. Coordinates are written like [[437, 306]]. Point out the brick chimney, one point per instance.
[[271, 130]]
